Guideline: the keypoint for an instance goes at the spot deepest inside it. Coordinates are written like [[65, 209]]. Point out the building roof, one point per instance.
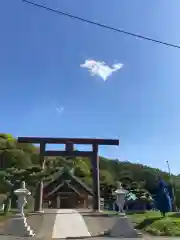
[[65, 183], [59, 179]]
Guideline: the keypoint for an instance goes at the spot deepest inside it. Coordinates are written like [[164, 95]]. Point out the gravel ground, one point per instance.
[[99, 224], [35, 221], [9, 228]]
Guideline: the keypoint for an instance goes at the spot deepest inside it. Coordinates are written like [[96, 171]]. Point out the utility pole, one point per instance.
[[172, 187], [169, 169]]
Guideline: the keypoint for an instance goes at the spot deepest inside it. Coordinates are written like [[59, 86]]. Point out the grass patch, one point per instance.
[[4, 217], [153, 223], [110, 212]]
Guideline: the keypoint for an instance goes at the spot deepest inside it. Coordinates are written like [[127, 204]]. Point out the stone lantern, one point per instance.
[[123, 227], [18, 225], [120, 198], [22, 194]]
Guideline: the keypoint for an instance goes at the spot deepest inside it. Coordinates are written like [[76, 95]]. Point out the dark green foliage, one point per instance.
[[21, 162]]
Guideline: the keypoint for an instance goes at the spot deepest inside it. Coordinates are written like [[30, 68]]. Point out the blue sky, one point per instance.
[[40, 71]]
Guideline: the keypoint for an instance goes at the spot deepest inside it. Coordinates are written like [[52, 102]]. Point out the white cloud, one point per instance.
[[101, 69]]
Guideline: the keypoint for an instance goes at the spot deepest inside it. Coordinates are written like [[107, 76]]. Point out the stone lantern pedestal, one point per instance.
[[18, 225], [123, 226]]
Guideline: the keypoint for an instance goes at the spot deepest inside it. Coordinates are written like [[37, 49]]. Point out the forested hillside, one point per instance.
[[20, 157]]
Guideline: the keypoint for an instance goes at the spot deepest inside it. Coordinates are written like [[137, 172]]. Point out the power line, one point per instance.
[[102, 25]]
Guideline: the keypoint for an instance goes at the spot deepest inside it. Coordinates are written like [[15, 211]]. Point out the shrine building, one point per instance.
[[67, 191]]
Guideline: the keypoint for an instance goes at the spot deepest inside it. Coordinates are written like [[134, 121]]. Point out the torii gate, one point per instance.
[[70, 152]]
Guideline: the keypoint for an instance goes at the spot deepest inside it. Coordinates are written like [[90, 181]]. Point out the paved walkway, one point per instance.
[[69, 223], [63, 223]]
